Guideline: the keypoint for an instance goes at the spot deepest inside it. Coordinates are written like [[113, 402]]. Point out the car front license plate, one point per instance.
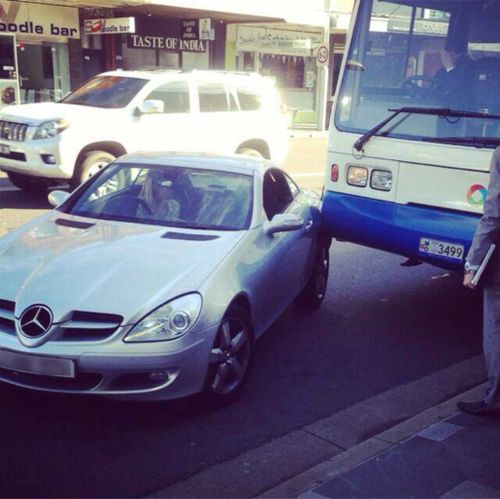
[[36, 364], [441, 248], [4, 149]]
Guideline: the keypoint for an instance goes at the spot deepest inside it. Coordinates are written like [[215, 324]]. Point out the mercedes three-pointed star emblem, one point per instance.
[[35, 321]]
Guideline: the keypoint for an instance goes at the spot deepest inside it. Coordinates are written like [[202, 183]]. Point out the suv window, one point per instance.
[[249, 99], [277, 194], [174, 95], [213, 97], [106, 91]]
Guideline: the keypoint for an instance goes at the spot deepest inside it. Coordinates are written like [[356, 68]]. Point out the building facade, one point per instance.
[[52, 46]]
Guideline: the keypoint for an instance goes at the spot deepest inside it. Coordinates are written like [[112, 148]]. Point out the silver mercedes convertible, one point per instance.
[[154, 278]]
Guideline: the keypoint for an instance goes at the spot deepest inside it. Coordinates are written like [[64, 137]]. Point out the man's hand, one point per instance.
[[467, 280]]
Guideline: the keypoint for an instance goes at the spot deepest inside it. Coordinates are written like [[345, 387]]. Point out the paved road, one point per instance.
[[381, 326]]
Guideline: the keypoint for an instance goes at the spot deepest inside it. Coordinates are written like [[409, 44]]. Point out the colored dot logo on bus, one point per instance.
[[476, 194]]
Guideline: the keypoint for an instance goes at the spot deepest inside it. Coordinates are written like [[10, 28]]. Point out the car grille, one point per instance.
[[80, 326], [7, 319], [81, 382], [10, 130], [89, 326]]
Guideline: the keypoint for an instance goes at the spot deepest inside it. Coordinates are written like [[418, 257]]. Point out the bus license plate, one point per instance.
[[441, 248]]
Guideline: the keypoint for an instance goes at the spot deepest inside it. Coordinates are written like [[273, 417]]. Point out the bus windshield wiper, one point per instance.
[[436, 111], [472, 140]]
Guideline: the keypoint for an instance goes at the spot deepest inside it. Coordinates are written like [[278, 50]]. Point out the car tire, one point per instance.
[[231, 358], [249, 151], [91, 164], [314, 292], [27, 183]]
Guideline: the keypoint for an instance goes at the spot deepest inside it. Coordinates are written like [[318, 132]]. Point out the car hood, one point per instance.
[[35, 114], [110, 267]]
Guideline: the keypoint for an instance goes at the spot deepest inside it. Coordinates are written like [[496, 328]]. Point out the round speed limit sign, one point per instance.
[[322, 54]]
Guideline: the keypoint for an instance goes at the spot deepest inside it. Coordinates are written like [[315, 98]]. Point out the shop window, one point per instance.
[[249, 99], [288, 71], [174, 95], [213, 97]]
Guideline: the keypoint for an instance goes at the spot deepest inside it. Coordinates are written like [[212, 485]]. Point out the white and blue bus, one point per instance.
[[415, 121]]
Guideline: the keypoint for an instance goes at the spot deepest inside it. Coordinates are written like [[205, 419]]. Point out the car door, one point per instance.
[[172, 129], [288, 254]]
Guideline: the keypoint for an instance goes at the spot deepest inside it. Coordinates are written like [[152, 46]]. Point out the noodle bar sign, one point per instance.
[[168, 34]]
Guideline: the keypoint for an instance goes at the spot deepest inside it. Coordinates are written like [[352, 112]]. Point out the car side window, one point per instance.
[[249, 99], [277, 194], [174, 95], [294, 188], [213, 97]]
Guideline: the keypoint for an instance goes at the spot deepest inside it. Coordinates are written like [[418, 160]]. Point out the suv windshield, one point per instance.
[[167, 195], [106, 91], [405, 54]]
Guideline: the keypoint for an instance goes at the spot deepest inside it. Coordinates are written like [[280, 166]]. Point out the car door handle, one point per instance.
[[308, 225]]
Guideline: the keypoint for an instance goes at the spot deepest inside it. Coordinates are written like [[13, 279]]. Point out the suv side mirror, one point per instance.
[[56, 198], [283, 222], [151, 106]]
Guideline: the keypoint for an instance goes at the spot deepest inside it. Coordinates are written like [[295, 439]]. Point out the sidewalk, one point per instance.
[[440, 453]]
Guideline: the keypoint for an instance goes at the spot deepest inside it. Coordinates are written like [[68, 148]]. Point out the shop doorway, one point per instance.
[[9, 85], [44, 71]]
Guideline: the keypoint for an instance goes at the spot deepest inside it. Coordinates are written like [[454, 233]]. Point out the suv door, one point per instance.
[[172, 129], [215, 126]]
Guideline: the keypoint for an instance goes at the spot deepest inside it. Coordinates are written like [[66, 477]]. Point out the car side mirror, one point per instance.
[[57, 198], [151, 106], [284, 222]]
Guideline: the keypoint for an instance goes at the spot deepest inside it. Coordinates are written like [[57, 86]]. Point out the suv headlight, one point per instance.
[[169, 321], [50, 129]]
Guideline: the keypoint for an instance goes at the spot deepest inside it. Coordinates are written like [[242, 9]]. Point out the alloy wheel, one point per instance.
[[230, 357]]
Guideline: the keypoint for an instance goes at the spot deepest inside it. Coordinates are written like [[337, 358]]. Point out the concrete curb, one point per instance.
[[302, 485], [294, 463]]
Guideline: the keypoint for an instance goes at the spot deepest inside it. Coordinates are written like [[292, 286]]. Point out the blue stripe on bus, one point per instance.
[[395, 227]]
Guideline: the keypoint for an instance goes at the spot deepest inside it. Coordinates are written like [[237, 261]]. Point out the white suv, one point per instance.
[[124, 111]]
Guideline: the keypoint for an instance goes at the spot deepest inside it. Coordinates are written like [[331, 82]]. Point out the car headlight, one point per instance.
[[50, 129], [169, 321], [381, 180], [357, 176]]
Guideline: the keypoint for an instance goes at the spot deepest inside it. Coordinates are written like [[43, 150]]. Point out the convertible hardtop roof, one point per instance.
[[235, 163]]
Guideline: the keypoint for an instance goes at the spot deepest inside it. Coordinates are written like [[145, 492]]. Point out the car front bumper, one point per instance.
[[131, 371], [28, 158]]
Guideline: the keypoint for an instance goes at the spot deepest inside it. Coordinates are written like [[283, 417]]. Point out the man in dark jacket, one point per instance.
[[487, 233]]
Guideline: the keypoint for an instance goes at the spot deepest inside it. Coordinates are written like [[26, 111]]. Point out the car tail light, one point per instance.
[[335, 173]]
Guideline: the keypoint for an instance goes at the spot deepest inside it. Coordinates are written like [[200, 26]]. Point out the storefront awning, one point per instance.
[[232, 11]]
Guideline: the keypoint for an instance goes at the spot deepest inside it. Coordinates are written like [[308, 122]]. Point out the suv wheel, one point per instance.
[[92, 163], [249, 151], [27, 183]]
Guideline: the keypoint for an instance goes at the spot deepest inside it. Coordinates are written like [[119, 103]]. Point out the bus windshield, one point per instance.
[[422, 53]]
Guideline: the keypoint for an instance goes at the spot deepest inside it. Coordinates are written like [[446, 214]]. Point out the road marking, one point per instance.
[[306, 174], [8, 189]]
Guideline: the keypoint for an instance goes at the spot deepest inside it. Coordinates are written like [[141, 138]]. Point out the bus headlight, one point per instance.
[[381, 180], [357, 176]]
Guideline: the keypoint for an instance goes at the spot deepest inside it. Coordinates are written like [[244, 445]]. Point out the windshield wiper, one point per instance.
[[436, 111], [472, 140]]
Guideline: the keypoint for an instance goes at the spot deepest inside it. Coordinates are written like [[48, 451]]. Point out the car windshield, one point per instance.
[[106, 91], [406, 54], [168, 195]]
